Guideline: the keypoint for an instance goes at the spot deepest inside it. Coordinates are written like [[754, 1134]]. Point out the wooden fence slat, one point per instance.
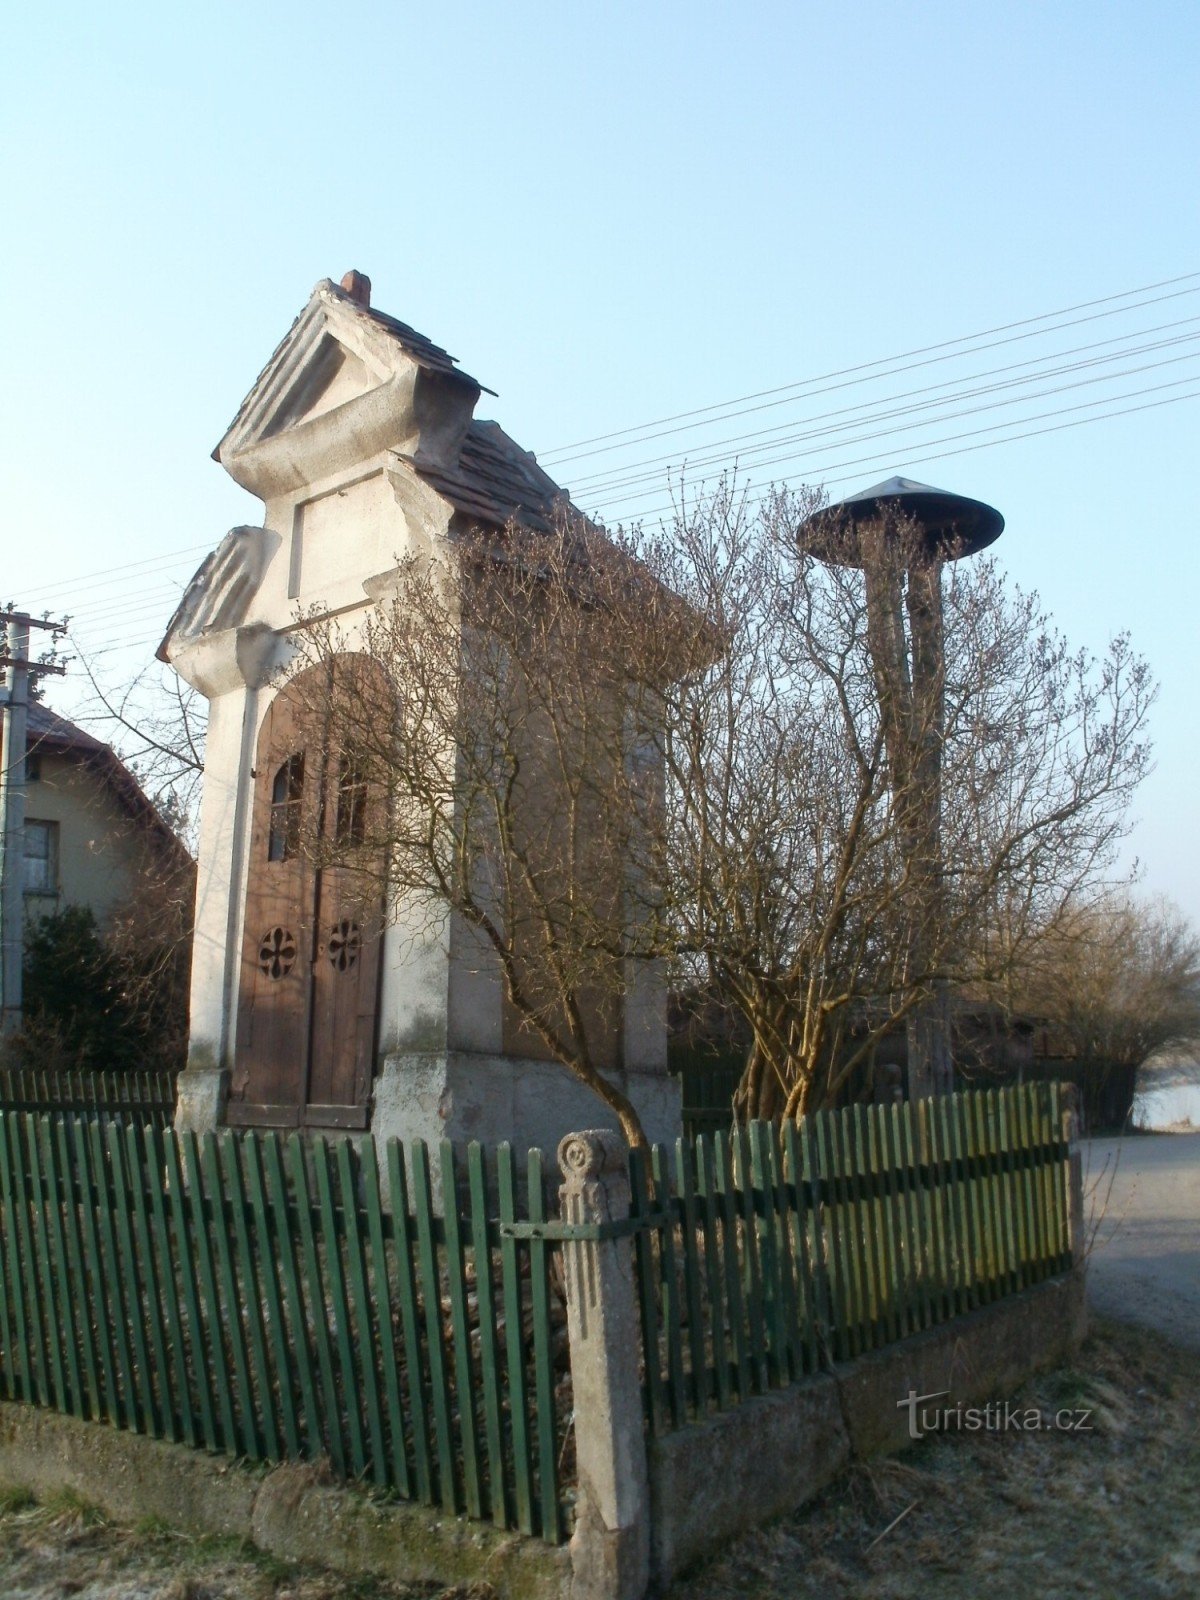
[[337, 1301], [755, 1188], [140, 1379], [76, 1274], [27, 1260], [419, 1385], [836, 1246], [1001, 1164], [251, 1298], [672, 1310], [11, 1323], [862, 1234], [1023, 1184], [884, 1223], [115, 1289], [137, 1176], [249, 1435], [938, 1188], [906, 1208], [107, 1325], [381, 1300], [685, 1188], [179, 1215], [514, 1344], [819, 1260], [178, 1390], [295, 1361], [1042, 1199], [369, 1398], [489, 1356], [271, 1252], [431, 1294], [989, 1220], [751, 1268], [645, 1246], [717, 1311], [51, 1308], [800, 1244], [464, 1375], [788, 1259], [331, 1434], [543, 1357]]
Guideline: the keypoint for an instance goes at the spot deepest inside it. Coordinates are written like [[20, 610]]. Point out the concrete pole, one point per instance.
[[930, 1062], [12, 824], [610, 1549]]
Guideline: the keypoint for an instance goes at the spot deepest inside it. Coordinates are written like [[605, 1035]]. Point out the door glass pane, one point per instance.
[[287, 793]]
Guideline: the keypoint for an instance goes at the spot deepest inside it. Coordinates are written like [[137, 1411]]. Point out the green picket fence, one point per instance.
[[772, 1252], [145, 1097], [282, 1301]]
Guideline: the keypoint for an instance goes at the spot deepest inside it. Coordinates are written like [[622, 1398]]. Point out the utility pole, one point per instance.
[[14, 698]]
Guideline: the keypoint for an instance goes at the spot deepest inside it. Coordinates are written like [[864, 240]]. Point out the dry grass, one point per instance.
[[1111, 1512], [66, 1548]]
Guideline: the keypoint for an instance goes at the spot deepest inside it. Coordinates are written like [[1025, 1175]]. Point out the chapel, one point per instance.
[[360, 439]]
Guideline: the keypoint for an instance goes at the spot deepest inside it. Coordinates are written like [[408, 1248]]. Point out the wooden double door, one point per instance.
[[309, 979]]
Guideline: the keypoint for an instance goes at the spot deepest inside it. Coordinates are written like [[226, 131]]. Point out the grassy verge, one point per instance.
[[64, 1547], [1107, 1512], [1110, 1511]]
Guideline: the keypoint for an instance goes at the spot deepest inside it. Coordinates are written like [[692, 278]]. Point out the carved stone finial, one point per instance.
[[590, 1154]]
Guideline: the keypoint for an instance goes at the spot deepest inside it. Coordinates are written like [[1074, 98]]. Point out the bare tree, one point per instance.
[[602, 752], [499, 712], [1116, 980], [156, 723], [809, 883]]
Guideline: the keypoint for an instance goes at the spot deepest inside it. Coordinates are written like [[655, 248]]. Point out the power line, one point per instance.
[[821, 474], [877, 370], [1025, 393], [906, 355], [893, 432], [591, 484], [111, 574]]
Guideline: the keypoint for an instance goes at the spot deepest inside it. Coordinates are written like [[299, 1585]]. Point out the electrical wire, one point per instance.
[[822, 474], [889, 361], [1047, 323], [893, 431], [615, 475]]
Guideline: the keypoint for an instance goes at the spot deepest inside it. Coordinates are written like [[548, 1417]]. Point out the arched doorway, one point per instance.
[[309, 979]]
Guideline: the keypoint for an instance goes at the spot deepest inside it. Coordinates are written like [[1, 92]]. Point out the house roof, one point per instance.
[[494, 480], [328, 296], [46, 730]]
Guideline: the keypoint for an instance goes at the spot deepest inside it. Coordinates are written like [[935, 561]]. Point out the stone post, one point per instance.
[[610, 1549]]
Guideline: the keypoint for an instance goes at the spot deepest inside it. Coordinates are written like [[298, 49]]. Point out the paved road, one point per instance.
[[1142, 1196]]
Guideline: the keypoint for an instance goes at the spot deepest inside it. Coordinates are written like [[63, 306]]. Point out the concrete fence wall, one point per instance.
[[649, 1507], [649, 1504]]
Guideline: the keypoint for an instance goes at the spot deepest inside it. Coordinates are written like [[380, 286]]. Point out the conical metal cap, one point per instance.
[[952, 524]]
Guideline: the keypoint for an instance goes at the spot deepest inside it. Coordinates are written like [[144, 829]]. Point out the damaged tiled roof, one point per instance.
[[495, 480], [423, 351]]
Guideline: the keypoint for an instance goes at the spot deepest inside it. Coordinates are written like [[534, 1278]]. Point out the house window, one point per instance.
[[287, 793], [41, 857]]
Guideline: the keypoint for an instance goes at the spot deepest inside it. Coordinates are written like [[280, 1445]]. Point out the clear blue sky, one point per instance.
[[609, 213]]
